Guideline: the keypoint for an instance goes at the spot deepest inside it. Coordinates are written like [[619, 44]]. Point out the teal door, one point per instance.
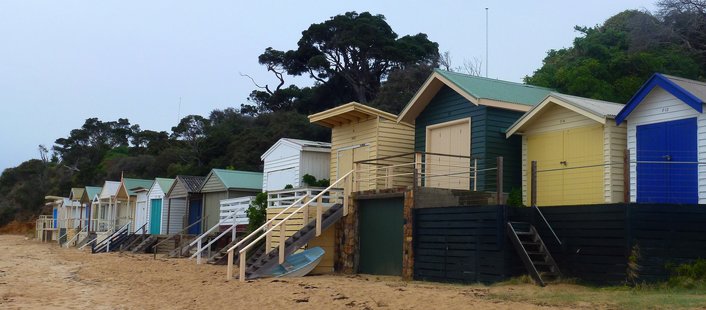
[[155, 216], [380, 229]]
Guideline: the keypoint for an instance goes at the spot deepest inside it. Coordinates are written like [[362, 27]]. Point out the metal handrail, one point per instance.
[[243, 251], [180, 233], [547, 223]]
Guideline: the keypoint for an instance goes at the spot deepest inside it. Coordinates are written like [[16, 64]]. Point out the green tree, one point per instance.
[[611, 61]]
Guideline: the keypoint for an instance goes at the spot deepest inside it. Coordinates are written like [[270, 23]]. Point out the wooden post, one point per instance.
[[229, 274], [198, 257], [356, 169], [319, 213], [169, 210], [626, 176], [388, 183], [499, 180], [346, 193], [306, 210], [241, 269], [475, 174], [268, 238], [282, 240], [533, 184], [418, 169]]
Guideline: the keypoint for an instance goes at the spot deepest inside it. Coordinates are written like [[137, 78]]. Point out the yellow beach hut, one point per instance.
[[578, 149]]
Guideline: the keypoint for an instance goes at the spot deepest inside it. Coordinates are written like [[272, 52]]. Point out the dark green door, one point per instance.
[[380, 229]]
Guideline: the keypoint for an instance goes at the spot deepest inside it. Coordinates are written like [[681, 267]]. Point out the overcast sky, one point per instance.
[[64, 61]]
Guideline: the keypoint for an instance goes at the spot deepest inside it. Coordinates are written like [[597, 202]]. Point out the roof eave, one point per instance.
[[666, 84]]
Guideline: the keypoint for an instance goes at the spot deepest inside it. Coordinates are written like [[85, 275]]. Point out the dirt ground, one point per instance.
[[35, 275]]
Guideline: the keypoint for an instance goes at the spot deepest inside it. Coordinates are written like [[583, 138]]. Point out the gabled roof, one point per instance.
[[235, 179], [130, 185], [597, 110], [91, 192], [692, 93], [348, 113], [191, 183], [76, 193], [301, 145], [109, 189], [477, 90], [164, 183]]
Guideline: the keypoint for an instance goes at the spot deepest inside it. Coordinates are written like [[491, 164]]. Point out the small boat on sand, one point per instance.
[[299, 264]]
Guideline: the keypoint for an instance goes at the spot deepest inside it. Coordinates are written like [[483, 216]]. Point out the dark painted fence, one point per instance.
[[469, 244]]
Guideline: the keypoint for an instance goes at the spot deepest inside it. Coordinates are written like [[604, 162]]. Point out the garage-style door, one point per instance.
[[666, 162], [380, 231], [569, 164], [451, 138]]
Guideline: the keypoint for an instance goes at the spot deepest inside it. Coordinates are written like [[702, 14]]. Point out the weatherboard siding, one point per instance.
[[286, 167], [213, 184], [316, 164], [488, 140], [661, 106], [614, 145], [342, 136], [174, 210], [178, 190]]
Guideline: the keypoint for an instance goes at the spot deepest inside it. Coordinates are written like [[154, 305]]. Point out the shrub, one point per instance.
[[257, 212]]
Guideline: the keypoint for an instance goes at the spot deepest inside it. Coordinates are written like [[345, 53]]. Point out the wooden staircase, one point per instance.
[[113, 241], [143, 246], [89, 236], [219, 258], [260, 263], [184, 249], [534, 253]]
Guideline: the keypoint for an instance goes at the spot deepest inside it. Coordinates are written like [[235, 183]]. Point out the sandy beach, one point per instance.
[[40, 276]]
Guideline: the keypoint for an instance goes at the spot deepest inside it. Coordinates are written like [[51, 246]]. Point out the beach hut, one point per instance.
[[578, 149], [222, 184], [359, 132], [462, 116], [127, 201], [90, 194], [142, 210], [76, 208], [288, 160], [185, 191], [106, 207], [667, 141], [164, 218]]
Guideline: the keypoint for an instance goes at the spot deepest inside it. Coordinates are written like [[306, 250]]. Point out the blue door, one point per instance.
[[55, 215], [155, 216], [195, 216], [667, 171]]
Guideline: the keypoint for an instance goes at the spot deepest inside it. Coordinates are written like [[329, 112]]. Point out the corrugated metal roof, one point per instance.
[[598, 107], [110, 188], [301, 145], [131, 184], [76, 193], [696, 88], [191, 183], [308, 143], [486, 88], [239, 179], [164, 183], [598, 110], [92, 191]]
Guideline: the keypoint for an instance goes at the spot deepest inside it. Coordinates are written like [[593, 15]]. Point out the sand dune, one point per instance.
[[41, 276]]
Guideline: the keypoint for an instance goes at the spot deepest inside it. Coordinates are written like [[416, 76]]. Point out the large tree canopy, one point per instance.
[[349, 57], [611, 61]]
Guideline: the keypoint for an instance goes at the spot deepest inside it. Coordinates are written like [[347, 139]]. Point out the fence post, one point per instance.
[[499, 180], [282, 240], [417, 169], [626, 176], [475, 174], [268, 238], [319, 213], [533, 184]]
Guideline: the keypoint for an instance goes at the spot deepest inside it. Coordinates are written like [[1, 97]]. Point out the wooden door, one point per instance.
[[547, 149], [583, 157], [381, 236], [451, 138], [346, 160], [155, 216]]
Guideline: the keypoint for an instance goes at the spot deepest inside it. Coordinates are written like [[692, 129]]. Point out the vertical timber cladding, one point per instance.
[[380, 230], [461, 244]]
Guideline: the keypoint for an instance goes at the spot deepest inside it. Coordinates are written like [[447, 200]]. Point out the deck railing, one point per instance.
[[345, 182], [43, 224], [419, 169], [231, 220], [235, 205]]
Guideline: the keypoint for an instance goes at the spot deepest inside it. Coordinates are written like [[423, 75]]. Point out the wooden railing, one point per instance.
[[346, 182], [43, 224], [180, 234], [418, 169], [235, 205], [75, 237], [142, 237], [198, 242]]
